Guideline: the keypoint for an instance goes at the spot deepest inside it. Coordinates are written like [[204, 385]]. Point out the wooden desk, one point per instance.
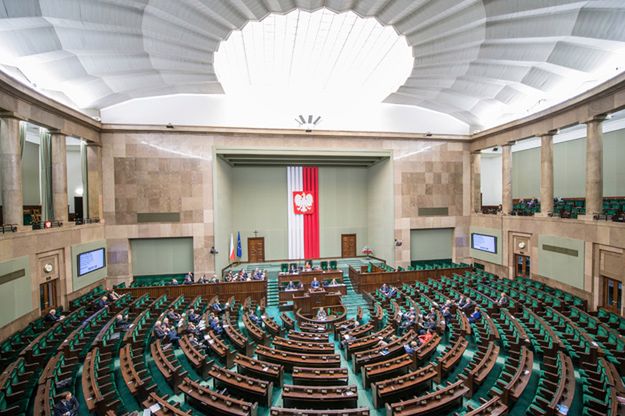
[[440, 400], [214, 403], [251, 389], [280, 411], [317, 397], [403, 386], [291, 359], [320, 376], [260, 369]]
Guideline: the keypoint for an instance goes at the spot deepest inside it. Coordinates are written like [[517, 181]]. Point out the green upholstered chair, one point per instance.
[[333, 264], [324, 265]]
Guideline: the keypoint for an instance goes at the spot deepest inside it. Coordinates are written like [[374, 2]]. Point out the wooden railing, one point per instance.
[[367, 282], [255, 289]]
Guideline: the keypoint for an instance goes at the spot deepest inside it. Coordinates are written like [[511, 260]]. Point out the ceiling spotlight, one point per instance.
[[307, 123]]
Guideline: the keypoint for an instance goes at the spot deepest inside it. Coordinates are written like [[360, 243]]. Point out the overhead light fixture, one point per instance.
[[170, 126], [307, 123]]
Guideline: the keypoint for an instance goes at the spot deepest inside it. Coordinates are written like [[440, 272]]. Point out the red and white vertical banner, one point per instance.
[[303, 211]]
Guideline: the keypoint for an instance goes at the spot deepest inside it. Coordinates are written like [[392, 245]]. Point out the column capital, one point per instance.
[[598, 118], [57, 132], [12, 114], [508, 144], [551, 133]]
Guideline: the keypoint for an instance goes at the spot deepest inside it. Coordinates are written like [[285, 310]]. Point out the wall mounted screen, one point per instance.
[[90, 261], [482, 242]]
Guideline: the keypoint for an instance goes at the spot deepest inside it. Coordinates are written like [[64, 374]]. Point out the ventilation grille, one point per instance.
[[144, 217], [6, 278], [433, 212], [561, 250]]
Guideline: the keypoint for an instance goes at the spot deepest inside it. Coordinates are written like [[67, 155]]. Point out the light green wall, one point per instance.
[[259, 204], [89, 278], [15, 296], [569, 168], [562, 267], [614, 163], [482, 255], [431, 244], [381, 220], [526, 174], [152, 256], [222, 197], [30, 174], [342, 208]]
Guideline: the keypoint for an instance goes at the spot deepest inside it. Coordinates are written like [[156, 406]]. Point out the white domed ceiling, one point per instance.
[[481, 62]]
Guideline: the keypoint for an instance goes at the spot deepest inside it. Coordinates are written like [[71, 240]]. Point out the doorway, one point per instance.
[[522, 266], [612, 294], [256, 249], [348, 245], [48, 292]]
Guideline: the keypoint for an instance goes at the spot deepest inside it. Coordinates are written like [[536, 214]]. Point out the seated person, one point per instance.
[[448, 303], [192, 329], [174, 282], [213, 323], [193, 317], [384, 289], [159, 330], [381, 343], [475, 316], [427, 337], [291, 286], [254, 318], [447, 315], [468, 305], [53, 317], [503, 299], [428, 325], [315, 283], [114, 295], [307, 267], [67, 406], [187, 280], [321, 314], [292, 269], [172, 336], [121, 322], [392, 292], [103, 302], [203, 279], [216, 307], [411, 348], [333, 282], [172, 315], [462, 301]]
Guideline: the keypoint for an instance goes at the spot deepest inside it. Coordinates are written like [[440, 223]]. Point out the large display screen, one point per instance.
[[90, 261], [487, 243]]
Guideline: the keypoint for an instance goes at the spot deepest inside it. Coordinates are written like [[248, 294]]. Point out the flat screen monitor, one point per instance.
[[90, 261], [482, 242]]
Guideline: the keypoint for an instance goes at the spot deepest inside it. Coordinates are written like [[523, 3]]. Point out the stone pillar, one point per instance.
[[594, 166], [476, 183], [94, 180], [11, 165], [506, 178], [59, 176], [546, 173]]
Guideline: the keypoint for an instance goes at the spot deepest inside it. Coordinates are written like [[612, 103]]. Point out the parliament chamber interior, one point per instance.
[[312, 208]]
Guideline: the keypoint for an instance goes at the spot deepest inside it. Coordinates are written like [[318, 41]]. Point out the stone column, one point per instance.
[[59, 175], [594, 166], [476, 183], [94, 180], [506, 178], [11, 174], [546, 173]]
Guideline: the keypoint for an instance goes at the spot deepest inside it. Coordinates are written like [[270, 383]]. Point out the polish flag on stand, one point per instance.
[[231, 255], [303, 211]]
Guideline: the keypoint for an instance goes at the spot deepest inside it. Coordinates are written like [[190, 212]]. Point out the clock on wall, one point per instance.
[[522, 245], [48, 267]]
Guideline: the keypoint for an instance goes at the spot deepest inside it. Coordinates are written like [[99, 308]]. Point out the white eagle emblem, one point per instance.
[[303, 202]]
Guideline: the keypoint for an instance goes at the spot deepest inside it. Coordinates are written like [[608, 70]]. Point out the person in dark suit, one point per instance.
[[159, 331], [503, 299], [121, 322], [102, 303], [52, 316], [193, 317], [67, 406], [475, 316], [315, 283]]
